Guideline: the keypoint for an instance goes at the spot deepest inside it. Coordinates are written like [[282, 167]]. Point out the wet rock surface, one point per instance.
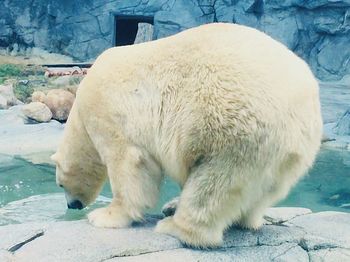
[[304, 236], [47, 207], [19, 137]]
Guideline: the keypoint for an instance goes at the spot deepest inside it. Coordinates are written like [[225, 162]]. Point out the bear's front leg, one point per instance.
[[135, 181]]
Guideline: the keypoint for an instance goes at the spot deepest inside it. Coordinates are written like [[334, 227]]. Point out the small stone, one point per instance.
[[37, 111], [60, 103], [24, 82], [334, 197]]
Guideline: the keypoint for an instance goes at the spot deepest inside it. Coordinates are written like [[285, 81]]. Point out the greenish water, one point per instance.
[[327, 185], [28, 192]]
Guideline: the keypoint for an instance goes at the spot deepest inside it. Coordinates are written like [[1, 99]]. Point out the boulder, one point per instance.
[[73, 89], [38, 96], [60, 103], [3, 102], [6, 91], [37, 111]]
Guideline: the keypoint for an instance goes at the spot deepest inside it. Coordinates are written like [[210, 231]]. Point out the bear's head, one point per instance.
[[81, 182]]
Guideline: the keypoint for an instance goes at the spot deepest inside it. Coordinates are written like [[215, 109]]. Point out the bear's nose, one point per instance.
[[76, 204]]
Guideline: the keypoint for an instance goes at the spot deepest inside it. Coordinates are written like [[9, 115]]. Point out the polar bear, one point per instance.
[[229, 113]]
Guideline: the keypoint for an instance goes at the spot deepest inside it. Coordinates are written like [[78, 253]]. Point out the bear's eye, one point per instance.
[[60, 185]]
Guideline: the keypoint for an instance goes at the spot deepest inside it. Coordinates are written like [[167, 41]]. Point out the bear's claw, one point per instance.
[[170, 207]]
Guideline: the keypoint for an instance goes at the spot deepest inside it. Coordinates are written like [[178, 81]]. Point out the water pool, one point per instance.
[[28, 192]]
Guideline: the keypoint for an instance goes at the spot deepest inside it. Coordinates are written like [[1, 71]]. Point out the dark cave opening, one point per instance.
[[126, 28]]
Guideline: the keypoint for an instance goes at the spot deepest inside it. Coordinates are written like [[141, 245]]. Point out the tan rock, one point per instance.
[[37, 111], [60, 103], [7, 92], [3, 102], [38, 96], [73, 89]]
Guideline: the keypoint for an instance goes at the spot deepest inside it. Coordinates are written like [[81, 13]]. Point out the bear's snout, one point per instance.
[[76, 204]]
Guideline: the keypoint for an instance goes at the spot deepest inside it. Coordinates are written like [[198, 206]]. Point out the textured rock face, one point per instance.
[[343, 125], [318, 31], [303, 236]]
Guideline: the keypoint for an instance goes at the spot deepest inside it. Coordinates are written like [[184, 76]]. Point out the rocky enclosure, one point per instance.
[[317, 30]]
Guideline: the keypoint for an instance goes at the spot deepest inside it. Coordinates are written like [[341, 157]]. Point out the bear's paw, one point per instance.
[[190, 235], [109, 218]]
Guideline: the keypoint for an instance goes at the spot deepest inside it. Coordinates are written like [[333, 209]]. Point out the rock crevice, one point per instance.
[[17, 246]]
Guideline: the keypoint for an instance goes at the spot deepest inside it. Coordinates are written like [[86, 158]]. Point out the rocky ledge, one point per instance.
[[32, 141], [291, 234]]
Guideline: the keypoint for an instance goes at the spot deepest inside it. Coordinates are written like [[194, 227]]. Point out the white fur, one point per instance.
[[223, 109]]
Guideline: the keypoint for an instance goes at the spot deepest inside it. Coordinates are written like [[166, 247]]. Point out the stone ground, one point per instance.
[[292, 234]]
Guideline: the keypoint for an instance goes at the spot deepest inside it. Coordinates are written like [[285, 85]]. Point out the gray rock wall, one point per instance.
[[317, 30]]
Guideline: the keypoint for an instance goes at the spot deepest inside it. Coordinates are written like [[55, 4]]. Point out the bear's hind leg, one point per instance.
[[135, 182], [254, 217], [290, 170], [208, 204]]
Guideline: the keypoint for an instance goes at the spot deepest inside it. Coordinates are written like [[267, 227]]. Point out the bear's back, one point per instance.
[[206, 88], [229, 52]]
